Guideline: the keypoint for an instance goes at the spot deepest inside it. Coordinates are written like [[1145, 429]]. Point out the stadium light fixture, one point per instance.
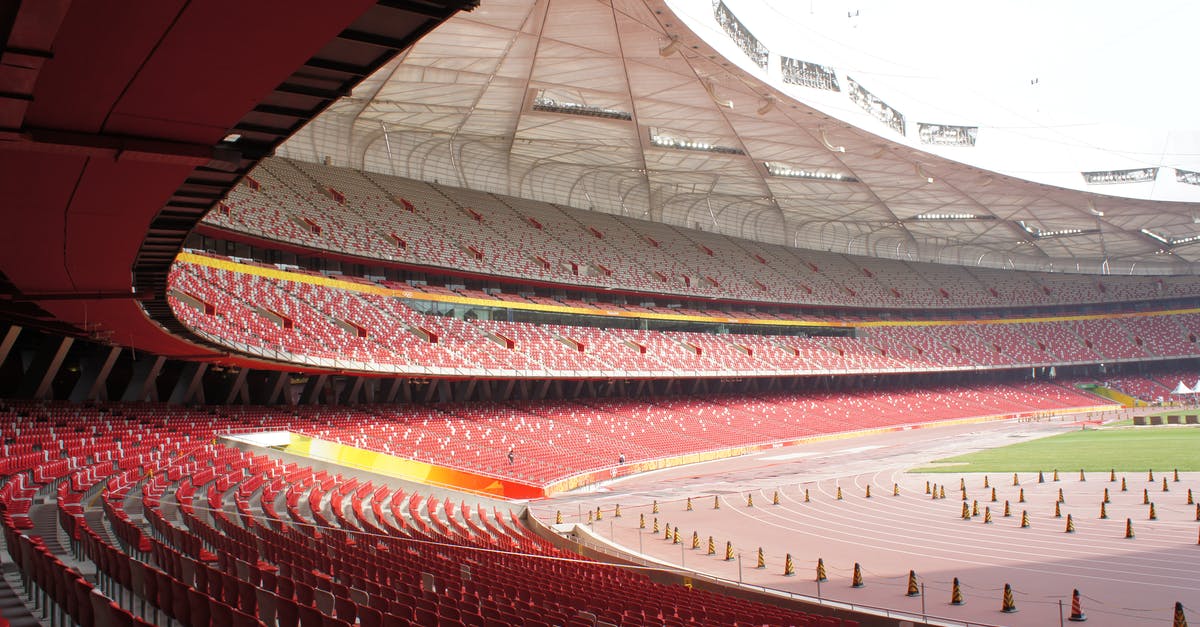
[[663, 140], [947, 216], [774, 168], [546, 104], [1114, 177], [1041, 234]]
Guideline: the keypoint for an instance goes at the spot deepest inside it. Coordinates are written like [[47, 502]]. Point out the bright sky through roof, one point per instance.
[[1056, 87]]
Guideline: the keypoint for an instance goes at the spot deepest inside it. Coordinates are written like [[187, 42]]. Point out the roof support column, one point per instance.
[[143, 385], [93, 376], [45, 367]]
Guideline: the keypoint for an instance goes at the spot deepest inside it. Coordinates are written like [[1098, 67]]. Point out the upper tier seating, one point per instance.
[[384, 217]]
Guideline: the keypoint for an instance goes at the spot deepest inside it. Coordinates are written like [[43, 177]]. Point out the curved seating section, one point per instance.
[[294, 320], [388, 218], [202, 534]]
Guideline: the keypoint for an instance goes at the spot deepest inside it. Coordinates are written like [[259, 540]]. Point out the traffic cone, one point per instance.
[[1077, 615], [1009, 604], [729, 551], [1123, 488], [1041, 477], [1106, 499], [667, 532], [762, 559], [1165, 488], [1081, 477], [1153, 515], [642, 520], [1015, 482], [962, 484], [1190, 501], [987, 515], [1150, 474], [1070, 524], [966, 511], [934, 497], [1021, 496], [1112, 475], [558, 517], [591, 515], [956, 597], [689, 505], [716, 502], [1024, 519], [895, 489], [1145, 497], [775, 499], [599, 515], [1057, 511], [695, 540], [985, 482], [1180, 619], [1197, 511], [1007, 510], [617, 511], [655, 528], [993, 495], [1060, 496], [1056, 474], [913, 590], [942, 492], [926, 487], [974, 508], [839, 493], [749, 500], [821, 570], [1103, 511], [712, 546], [675, 536], [1176, 475], [654, 507], [1128, 527], [805, 495], [868, 491], [857, 581], [789, 568]]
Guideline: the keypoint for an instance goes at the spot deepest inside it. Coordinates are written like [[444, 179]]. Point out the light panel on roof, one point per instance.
[[1112, 177]]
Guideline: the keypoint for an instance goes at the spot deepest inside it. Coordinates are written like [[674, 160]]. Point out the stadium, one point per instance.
[[589, 313]]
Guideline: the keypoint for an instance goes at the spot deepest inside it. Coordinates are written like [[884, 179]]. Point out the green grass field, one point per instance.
[[1126, 450]]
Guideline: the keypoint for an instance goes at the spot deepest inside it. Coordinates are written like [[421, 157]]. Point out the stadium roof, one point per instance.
[[654, 110]]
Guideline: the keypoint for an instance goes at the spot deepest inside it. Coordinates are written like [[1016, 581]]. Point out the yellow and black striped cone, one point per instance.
[[762, 559], [775, 498], [857, 581], [1150, 475], [994, 495], [1128, 527], [1077, 615], [1057, 511], [1024, 519], [1070, 525], [1009, 604], [667, 532], [675, 536], [956, 597], [1123, 487], [642, 520], [1081, 477], [789, 568], [934, 494], [1145, 496], [1060, 496], [591, 515], [1165, 488], [1015, 482], [1056, 474], [617, 511], [1176, 475], [654, 506], [1106, 499], [966, 511], [598, 514], [1190, 501], [1007, 510], [1021, 496], [1153, 515], [1041, 477], [1103, 511], [695, 540], [1180, 619], [974, 508], [927, 487], [1197, 511], [655, 528], [716, 502], [962, 484], [868, 491], [749, 500], [964, 495], [987, 515], [688, 508], [729, 551], [805, 495], [1112, 475], [941, 492], [558, 517], [712, 546], [839, 493], [985, 482], [896, 489], [821, 570], [913, 590]]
